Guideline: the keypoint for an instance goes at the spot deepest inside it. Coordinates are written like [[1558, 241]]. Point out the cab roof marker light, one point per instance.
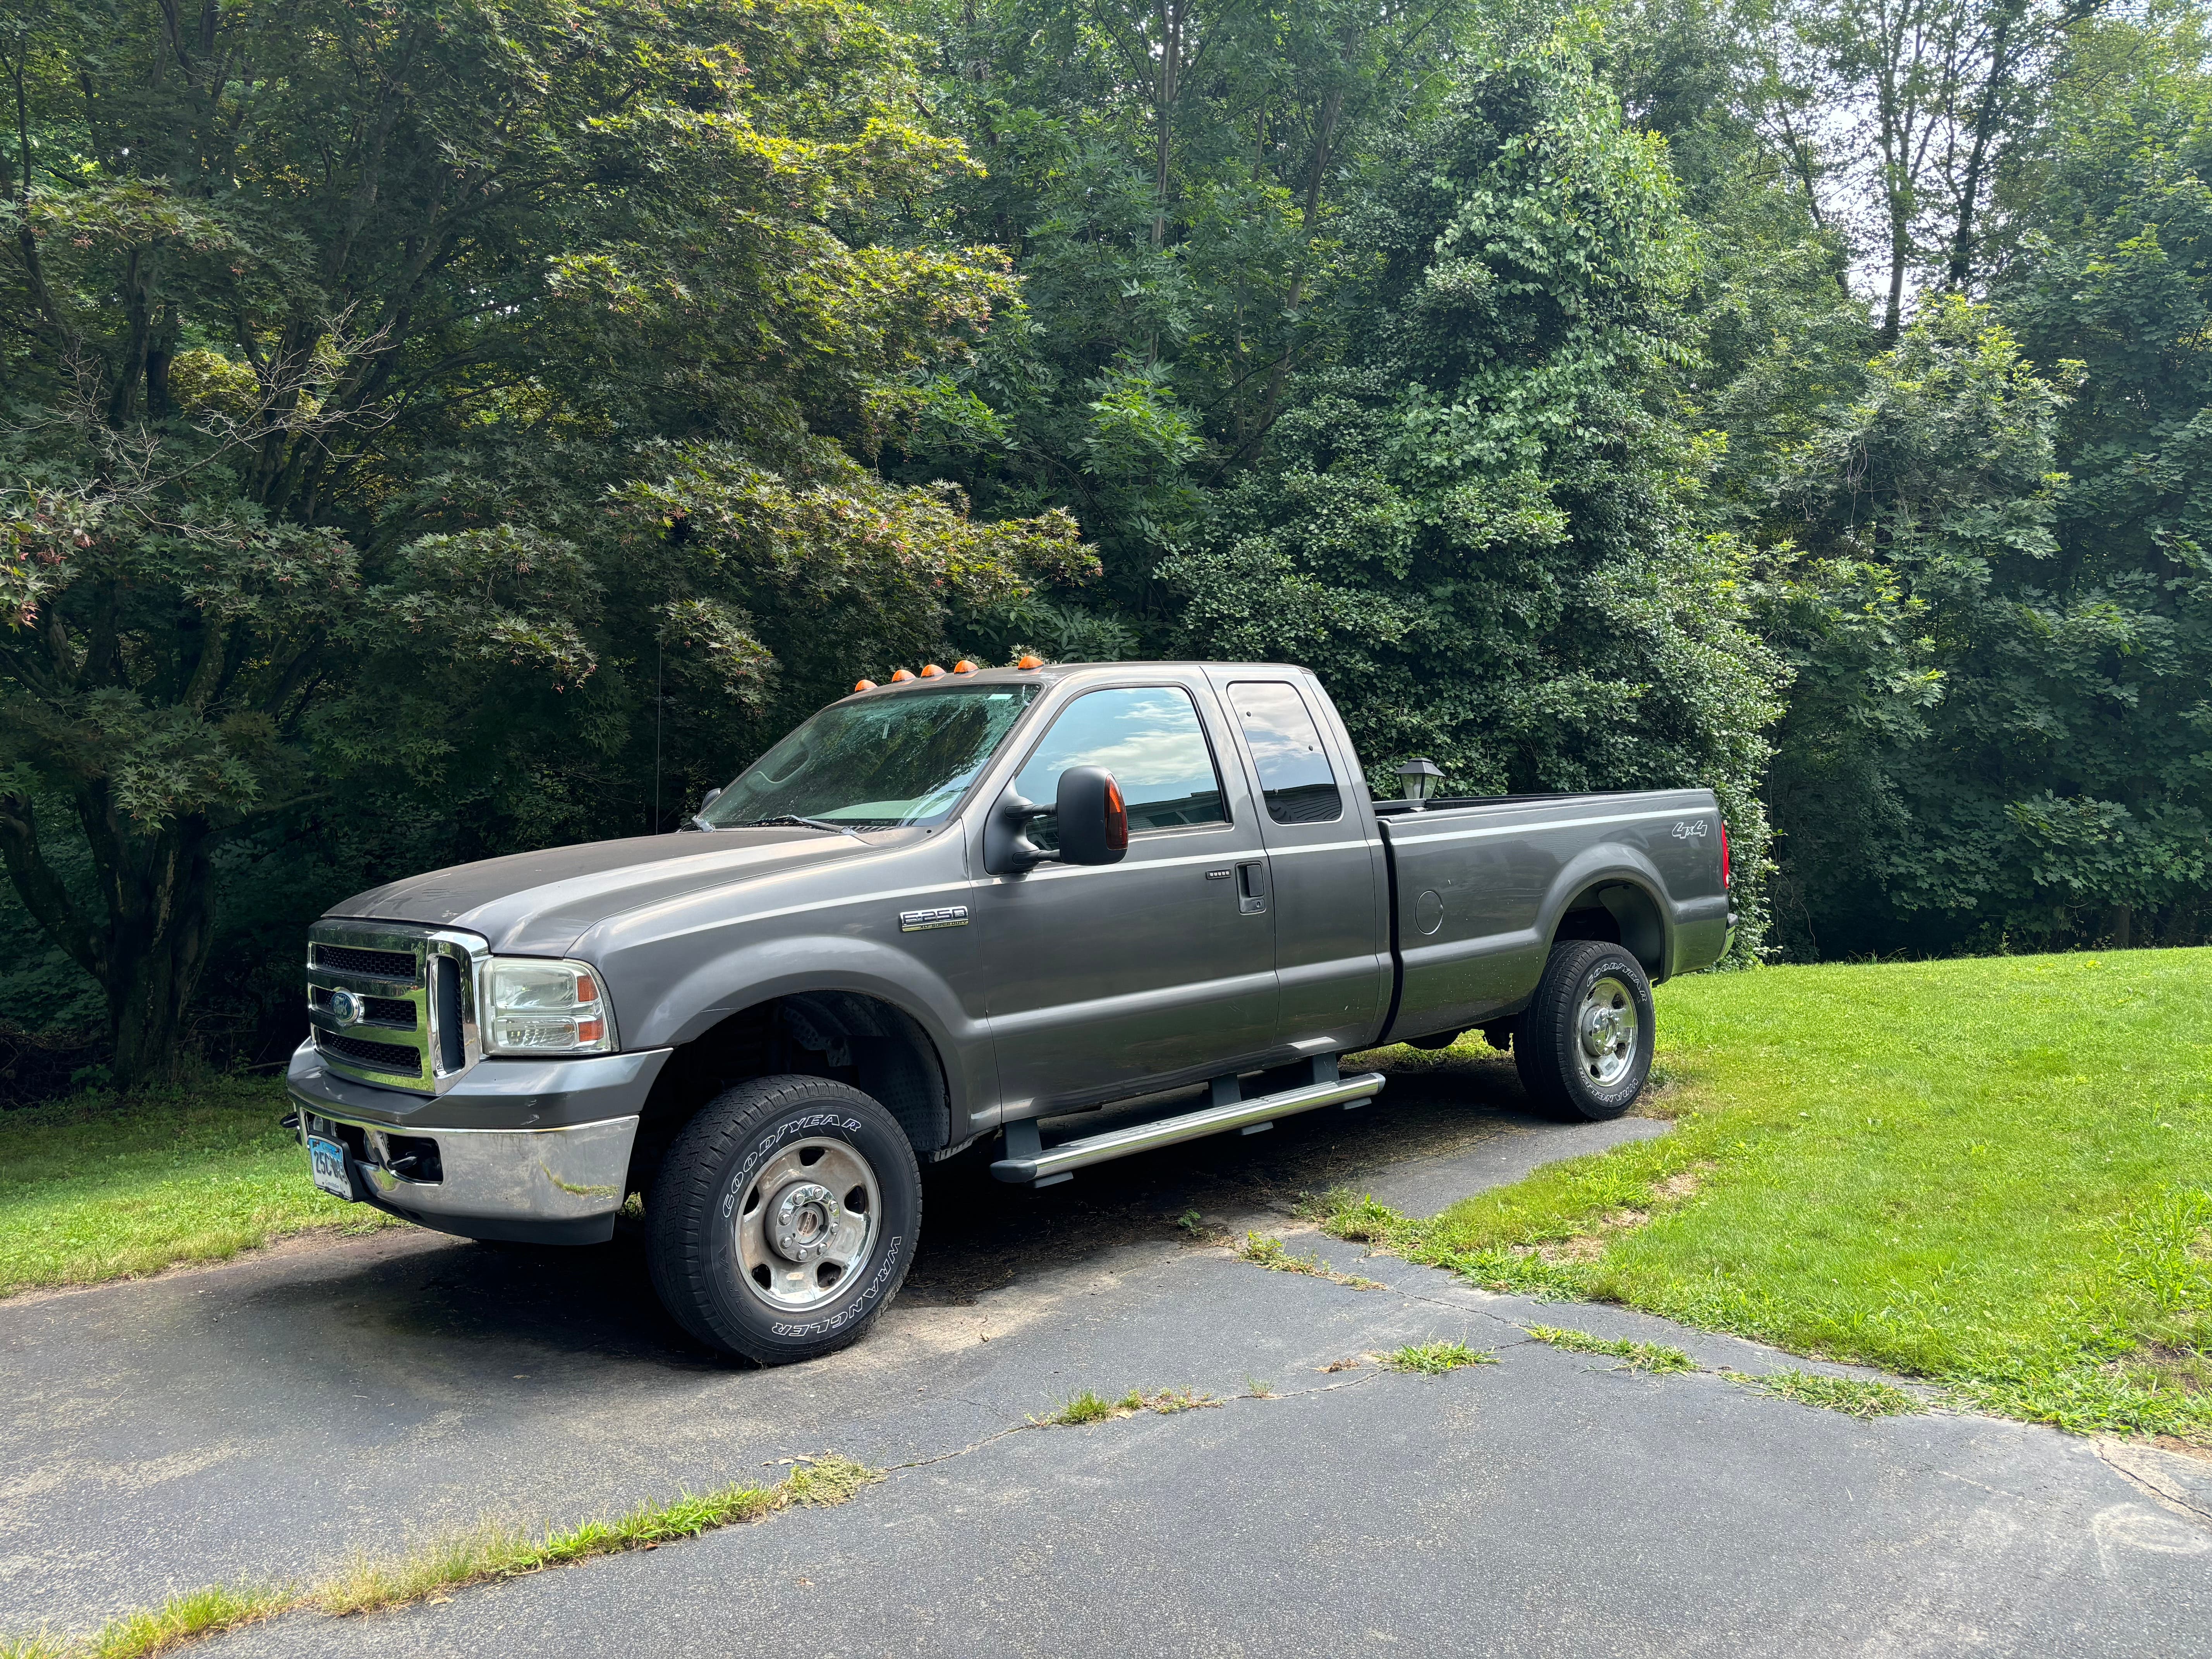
[[864, 685], [900, 676], [1030, 662], [930, 671], [963, 666]]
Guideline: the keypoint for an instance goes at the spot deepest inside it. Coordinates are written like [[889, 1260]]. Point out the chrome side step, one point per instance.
[[1046, 1166]]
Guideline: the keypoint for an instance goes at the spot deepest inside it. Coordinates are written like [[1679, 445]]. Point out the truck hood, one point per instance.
[[540, 903]]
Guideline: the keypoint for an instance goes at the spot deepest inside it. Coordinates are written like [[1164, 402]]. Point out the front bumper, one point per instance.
[[533, 1150]]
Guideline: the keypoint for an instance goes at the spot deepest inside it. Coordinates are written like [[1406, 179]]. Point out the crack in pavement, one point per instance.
[[2145, 1468]]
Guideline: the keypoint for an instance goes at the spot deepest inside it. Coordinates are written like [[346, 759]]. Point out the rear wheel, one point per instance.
[[1583, 1047], [784, 1219]]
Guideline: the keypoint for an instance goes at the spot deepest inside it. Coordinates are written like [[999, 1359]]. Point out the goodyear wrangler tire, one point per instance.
[[784, 1219], [1583, 1047]]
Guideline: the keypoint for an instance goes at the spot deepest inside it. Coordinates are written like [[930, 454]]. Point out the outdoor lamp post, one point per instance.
[[1418, 778]]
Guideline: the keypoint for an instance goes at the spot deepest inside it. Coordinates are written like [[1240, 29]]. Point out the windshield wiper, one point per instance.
[[794, 817]]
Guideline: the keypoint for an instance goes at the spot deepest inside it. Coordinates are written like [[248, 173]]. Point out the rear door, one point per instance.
[[1110, 978], [1331, 887]]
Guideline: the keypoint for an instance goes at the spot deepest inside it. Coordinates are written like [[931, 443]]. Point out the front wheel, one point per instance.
[[1583, 1047], [784, 1219]]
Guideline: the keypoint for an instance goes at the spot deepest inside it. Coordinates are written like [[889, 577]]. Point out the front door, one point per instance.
[[1109, 978]]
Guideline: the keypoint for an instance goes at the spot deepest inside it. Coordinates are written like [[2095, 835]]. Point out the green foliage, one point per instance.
[[1990, 574], [396, 403], [472, 426], [1482, 526]]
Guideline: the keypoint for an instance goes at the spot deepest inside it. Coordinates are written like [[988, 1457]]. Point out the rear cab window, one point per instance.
[[1296, 781]]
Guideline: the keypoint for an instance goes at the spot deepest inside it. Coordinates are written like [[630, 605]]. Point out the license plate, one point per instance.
[[326, 1161]]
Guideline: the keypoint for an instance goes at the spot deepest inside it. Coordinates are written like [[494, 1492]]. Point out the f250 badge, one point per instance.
[[923, 922], [1686, 831]]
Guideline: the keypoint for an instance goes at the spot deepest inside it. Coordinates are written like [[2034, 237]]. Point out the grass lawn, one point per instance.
[[89, 1191], [1994, 1174]]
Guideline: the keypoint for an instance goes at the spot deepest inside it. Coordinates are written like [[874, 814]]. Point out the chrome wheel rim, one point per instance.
[[807, 1223], [1607, 1028]]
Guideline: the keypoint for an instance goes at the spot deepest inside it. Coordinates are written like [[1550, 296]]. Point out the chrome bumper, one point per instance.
[[560, 1182]]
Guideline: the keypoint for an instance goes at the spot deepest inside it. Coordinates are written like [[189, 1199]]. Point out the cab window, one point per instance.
[[1296, 779], [1150, 738]]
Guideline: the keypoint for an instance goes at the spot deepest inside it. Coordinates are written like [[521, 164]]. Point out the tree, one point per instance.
[[367, 373], [1912, 106], [1482, 523], [1169, 179]]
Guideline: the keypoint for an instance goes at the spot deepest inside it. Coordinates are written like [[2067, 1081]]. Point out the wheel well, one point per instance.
[[1622, 913], [874, 1045]]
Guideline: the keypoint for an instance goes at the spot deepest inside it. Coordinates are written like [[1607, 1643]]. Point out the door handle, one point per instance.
[[1252, 888]]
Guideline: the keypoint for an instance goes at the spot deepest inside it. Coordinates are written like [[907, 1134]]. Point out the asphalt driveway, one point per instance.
[[267, 1419]]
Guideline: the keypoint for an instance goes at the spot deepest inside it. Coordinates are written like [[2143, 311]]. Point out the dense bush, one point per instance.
[[435, 429]]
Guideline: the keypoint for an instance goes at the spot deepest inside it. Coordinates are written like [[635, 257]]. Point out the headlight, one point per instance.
[[538, 1007]]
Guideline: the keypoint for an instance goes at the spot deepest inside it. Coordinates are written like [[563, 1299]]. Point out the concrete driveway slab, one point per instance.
[[1545, 1506]]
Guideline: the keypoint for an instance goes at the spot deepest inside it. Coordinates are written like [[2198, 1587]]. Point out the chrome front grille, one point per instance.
[[384, 964], [377, 1010], [393, 1005], [378, 1057]]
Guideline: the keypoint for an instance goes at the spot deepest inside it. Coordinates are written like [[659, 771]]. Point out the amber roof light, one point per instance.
[[930, 671], [1030, 662], [901, 674], [864, 685], [963, 666]]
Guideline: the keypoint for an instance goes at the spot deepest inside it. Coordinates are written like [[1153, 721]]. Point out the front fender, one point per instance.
[[707, 992]]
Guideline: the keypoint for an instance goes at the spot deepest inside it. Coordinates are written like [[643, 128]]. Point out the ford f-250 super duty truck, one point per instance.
[[966, 904]]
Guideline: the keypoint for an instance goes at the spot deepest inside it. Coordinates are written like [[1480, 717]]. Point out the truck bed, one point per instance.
[[1479, 887]]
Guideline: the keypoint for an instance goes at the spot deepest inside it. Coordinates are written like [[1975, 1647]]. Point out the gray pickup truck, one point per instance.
[[967, 904]]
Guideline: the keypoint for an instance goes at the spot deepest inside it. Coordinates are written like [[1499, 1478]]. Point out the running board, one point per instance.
[[1046, 1166]]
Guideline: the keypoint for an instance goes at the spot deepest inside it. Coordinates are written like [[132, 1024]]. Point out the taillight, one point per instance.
[[1724, 854], [1117, 819]]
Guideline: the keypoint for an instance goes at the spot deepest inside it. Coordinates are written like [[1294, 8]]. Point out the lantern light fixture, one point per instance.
[[1418, 778]]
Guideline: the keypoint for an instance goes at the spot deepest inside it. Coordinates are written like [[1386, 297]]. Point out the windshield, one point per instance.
[[879, 763]]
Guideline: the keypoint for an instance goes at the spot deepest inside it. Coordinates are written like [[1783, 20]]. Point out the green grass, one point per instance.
[[1994, 1174], [1654, 1357], [1090, 1406], [1853, 1397], [1275, 1256], [472, 1555], [91, 1191], [1435, 1359], [1086, 1407]]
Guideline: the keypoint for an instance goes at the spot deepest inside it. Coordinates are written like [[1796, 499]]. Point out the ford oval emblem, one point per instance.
[[346, 1006]]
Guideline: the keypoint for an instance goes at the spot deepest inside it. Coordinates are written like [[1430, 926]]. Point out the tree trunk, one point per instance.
[[1901, 256], [1171, 27], [158, 892], [1961, 267], [162, 915]]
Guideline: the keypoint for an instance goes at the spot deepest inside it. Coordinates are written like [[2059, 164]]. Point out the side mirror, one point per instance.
[[1094, 824], [709, 799], [1007, 849]]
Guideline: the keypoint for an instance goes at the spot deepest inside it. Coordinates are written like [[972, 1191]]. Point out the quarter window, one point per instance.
[[1149, 738], [1296, 779]]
